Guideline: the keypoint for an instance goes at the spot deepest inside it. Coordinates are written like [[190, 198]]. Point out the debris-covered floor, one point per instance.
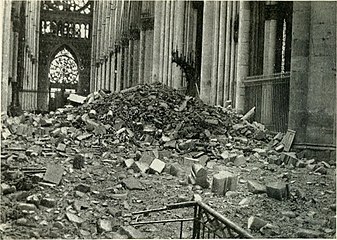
[[81, 171]]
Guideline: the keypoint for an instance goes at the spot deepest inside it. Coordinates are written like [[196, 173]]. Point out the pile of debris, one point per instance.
[[145, 130]]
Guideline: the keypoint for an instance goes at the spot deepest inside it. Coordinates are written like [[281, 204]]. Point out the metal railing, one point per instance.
[[206, 222], [270, 95]]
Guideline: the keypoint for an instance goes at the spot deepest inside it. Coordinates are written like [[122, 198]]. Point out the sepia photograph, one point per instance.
[[168, 119]]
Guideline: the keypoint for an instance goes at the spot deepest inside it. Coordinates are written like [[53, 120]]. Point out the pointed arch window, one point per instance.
[[63, 68]]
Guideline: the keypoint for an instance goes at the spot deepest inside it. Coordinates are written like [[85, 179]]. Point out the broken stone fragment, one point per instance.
[[7, 189], [26, 207], [128, 162], [255, 187], [240, 160], [321, 170], [289, 214], [35, 199], [187, 161], [132, 184], [82, 188], [255, 223], [278, 190], [48, 202], [244, 201], [183, 198], [131, 232], [104, 225], [78, 161], [74, 218], [307, 233]]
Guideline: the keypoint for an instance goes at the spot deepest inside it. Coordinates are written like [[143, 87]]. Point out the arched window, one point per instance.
[[54, 28], [63, 68], [87, 31], [65, 29], [71, 30], [82, 30], [59, 28], [47, 27], [77, 30], [43, 30]]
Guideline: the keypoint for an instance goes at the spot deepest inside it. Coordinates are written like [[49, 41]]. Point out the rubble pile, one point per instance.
[[147, 146], [155, 111]]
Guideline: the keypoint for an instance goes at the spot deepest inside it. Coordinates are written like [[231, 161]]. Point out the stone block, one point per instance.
[[199, 174], [278, 190], [147, 157], [255, 187], [61, 147], [157, 165], [140, 167], [76, 98], [224, 181], [176, 170], [53, 173]]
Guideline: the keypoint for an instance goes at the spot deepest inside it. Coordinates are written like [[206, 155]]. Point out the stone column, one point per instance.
[[162, 41], [243, 54], [166, 33], [178, 41], [222, 46], [148, 54], [156, 41], [207, 51], [5, 27], [268, 66], [227, 51], [141, 61], [214, 78]]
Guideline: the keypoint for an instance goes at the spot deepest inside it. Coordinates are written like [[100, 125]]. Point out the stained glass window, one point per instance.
[[63, 68], [82, 6]]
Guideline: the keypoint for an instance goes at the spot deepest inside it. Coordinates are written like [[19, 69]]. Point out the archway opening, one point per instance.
[[63, 78]]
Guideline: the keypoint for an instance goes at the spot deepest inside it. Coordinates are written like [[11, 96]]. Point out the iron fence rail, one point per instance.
[[207, 223]]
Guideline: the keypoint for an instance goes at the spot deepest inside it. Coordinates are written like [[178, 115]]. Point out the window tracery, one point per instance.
[[63, 68], [80, 6]]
